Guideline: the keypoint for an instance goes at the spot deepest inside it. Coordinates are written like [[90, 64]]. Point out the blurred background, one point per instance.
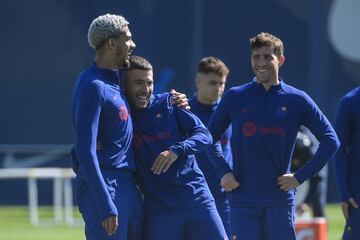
[[44, 47]]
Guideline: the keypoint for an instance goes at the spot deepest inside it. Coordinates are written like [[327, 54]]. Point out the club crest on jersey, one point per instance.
[[123, 113], [281, 111]]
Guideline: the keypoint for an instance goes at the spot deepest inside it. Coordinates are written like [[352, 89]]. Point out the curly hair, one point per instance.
[[104, 27]]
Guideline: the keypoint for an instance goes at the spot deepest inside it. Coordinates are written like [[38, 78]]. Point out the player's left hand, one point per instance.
[[163, 162], [110, 224], [345, 207], [179, 99], [287, 182], [228, 182]]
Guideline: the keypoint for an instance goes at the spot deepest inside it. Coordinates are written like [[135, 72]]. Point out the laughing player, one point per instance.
[[177, 201]]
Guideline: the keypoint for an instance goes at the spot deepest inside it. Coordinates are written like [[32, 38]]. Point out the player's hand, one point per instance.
[[110, 225], [287, 182], [345, 206], [179, 99], [228, 182], [163, 162]]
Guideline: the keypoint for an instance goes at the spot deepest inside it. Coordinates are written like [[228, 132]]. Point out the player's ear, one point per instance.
[[281, 60], [111, 43]]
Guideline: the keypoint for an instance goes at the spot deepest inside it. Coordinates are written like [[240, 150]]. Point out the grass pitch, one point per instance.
[[15, 225]]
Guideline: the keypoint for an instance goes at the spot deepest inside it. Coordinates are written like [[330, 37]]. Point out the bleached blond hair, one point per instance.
[[104, 27]]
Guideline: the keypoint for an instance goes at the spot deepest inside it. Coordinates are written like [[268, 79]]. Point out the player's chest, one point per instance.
[[115, 104]]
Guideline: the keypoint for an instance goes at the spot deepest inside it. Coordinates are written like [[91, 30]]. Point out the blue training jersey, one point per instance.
[[100, 113], [264, 129], [204, 112], [159, 127], [347, 159]]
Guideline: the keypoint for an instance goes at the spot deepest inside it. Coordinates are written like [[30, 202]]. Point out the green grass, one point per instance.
[[336, 221], [15, 225]]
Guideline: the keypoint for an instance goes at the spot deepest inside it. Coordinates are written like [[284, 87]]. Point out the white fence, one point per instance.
[[61, 177]]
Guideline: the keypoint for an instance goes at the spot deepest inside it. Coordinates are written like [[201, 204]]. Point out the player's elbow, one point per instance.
[[208, 137], [336, 143], [333, 144]]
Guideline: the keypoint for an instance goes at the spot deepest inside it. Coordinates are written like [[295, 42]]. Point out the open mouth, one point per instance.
[[142, 99]]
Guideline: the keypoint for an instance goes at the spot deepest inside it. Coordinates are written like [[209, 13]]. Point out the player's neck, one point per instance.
[[204, 101], [105, 62], [267, 84]]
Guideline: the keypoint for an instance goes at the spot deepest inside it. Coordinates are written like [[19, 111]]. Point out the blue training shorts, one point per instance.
[[260, 223], [201, 222]]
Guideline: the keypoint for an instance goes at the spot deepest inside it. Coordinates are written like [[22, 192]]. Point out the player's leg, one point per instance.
[[246, 223], [204, 222], [164, 226], [223, 208], [128, 201], [279, 223], [136, 219], [89, 211]]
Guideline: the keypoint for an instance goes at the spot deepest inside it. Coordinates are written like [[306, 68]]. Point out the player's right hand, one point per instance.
[[229, 183], [163, 162], [110, 225], [345, 206]]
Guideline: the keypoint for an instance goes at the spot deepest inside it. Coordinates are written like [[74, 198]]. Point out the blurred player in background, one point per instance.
[[210, 83], [347, 161], [178, 203], [305, 149], [266, 115]]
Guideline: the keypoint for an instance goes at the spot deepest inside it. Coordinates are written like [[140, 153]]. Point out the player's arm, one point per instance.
[[319, 125], [226, 147], [343, 125], [218, 124], [87, 113], [177, 98], [198, 138]]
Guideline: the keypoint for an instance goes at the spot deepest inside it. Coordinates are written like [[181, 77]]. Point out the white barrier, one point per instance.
[[62, 188]]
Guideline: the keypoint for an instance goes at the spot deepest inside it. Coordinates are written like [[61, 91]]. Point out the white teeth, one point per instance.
[[142, 97], [262, 70]]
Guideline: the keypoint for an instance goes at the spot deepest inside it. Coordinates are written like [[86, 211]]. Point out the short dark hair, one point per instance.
[[139, 63], [213, 65], [269, 40]]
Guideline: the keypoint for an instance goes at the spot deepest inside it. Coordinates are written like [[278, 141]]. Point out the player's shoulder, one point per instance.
[[161, 98], [160, 102], [352, 95], [90, 78], [294, 93], [238, 90], [351, 99], [296, 96], [291, 90]]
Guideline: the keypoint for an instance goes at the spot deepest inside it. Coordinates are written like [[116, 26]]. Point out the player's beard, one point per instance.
[[126, 64]]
